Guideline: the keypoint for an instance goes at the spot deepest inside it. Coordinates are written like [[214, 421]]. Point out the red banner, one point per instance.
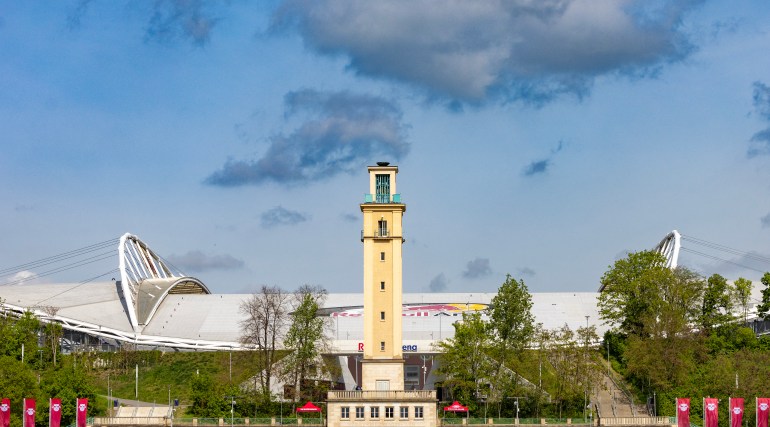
[[763, 408], [54, 413], [736, 411], [29, 413], [710, 412], [5, 412], [683, 412], [82, 412]]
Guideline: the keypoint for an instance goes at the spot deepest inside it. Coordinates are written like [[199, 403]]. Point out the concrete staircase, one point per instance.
[[611, 401]]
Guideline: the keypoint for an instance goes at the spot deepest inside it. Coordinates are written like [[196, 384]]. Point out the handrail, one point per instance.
[[625, 392]]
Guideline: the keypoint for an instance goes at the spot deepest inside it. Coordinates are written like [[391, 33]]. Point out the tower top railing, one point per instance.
[[382, 198]]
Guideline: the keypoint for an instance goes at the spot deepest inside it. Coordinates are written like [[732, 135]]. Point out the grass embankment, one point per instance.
[[161, 373]]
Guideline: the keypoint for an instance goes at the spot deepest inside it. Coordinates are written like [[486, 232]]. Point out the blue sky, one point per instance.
[[543, 139]]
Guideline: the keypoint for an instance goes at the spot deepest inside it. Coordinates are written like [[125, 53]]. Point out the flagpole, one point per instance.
[[50, 409]]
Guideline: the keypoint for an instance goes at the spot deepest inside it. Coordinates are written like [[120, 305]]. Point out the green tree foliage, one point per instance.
[[511, 325], [764, 307], [481, 362], [654, 310], [742, 294], [510, 318], [305, 339], [18, 332], [631, 294], [674, 333], [716, 308], [642, 297], [576, 372], [17, 381], [464, 359], [207, 398], [68, 384]]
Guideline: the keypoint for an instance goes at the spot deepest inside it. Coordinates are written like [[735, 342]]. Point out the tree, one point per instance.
[[510, 317], [207, 398], [742, 294], [511, 325], [265, 318], [305, 338], [464, 358], [68, 384], [716, 308], [575, 371], [17, 382], [53, 331], [631, 291], [664, 354], [764, 307], [21, 333]]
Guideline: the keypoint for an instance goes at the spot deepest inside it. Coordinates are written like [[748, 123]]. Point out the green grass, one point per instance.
[[161, 372]]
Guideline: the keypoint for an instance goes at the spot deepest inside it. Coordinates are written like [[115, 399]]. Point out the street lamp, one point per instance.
[[232, 409], [517, 411], [425, 358], [585, 363]]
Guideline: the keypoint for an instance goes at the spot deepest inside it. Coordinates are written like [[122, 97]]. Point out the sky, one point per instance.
[[539, 138]]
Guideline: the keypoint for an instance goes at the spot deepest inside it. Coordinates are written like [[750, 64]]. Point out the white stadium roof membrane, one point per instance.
[[156, 305], [212, 321]]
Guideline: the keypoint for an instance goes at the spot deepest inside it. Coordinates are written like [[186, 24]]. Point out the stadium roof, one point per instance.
[[212, 321], [155, 304]]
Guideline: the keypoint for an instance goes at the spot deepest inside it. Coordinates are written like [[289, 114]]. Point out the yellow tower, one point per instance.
[[383, 364]]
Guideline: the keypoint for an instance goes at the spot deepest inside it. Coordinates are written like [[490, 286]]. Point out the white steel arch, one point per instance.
[[139, 266], [669, 247]]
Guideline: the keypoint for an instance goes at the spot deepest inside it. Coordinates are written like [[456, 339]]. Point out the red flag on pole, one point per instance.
[[5, 412], [683, 412], [736, 411], [710, 412], [82, 412], [29, 413], [54, 413], [763, 408]]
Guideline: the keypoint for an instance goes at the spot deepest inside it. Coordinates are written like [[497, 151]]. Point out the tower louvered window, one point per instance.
[[383, 189]]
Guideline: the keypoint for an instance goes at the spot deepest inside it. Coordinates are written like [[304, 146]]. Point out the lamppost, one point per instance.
[[232, 409], [440, 315], [425, 358], [170, 408], [517, 411], [585, 363], [608, 358]]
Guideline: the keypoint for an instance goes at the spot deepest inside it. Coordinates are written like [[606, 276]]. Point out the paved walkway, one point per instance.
[[612, 402]]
